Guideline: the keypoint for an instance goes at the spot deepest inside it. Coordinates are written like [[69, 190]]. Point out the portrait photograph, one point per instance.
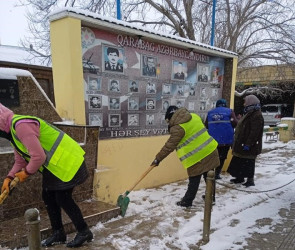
[[94, 83], [180, 90], [133, 103], [203, 73], [113, 59], [95, 119], [114, 120], [203, 93], [114, 85], [179, 70], [114, 103], [151, 88], [179, 103], [202, 106], [163, 121], [214, 93], [133, 86], [150, 103], [166, 89], [148, 66], [165, 104], [95, 101], [150, 119], [191, 106], [192, 91], [133, 119]]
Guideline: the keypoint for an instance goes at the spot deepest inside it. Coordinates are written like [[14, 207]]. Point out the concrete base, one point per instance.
[[14, 232]]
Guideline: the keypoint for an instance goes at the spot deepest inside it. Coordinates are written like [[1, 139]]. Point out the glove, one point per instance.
[[6, 184], [155, 163], [22, 175], [246, 148]]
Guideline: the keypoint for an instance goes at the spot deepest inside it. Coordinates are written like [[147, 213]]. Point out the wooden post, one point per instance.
[[33, 228], [208, 205]]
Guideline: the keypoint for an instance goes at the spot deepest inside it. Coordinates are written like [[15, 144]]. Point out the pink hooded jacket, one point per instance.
[[28, 133]]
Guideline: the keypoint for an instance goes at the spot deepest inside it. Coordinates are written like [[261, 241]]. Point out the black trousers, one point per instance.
[[55, 200], [192, 189]]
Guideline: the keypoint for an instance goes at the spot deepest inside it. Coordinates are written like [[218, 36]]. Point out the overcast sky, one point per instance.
[[13, 23]]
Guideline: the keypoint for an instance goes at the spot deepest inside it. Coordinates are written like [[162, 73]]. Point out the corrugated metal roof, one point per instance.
[[88, 17]]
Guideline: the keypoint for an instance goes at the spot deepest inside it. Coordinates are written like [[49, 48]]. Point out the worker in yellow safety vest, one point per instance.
[[195, 148], [40, 146]]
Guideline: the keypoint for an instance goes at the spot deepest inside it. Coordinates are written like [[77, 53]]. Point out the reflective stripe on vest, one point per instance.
[[64, 156], [196, 143]]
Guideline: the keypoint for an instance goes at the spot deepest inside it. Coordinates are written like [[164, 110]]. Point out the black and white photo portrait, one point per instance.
[[133, 103], [95, 119], [133, 119], [150, 119], [202, 106], [203, 93], [179, 70], [165, 104], [203, 73], [149, 65], [114, 120], [150, 103], [180, 90], [113, 59], [151, 88], [192, 91], [166, 89], [94, 83], [114, 103], [179, 103], [95, 101], [191, 106], [133, 86], [114, 85]]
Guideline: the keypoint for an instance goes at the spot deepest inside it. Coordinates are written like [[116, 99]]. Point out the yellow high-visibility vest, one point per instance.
[[196, 143], [64, 156]]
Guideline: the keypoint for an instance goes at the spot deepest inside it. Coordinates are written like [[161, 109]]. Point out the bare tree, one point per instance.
[[260, 31]]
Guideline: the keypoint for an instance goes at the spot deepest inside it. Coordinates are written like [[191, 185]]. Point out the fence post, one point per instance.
[[33, 228], [208, 205]]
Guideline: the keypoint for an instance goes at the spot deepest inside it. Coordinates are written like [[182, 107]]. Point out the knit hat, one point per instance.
[[170, 111], [251, 100], [5, 116], [221, 103]]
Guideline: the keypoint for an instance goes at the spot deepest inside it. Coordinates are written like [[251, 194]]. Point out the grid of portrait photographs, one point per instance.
[[113, 59], [143, 99]]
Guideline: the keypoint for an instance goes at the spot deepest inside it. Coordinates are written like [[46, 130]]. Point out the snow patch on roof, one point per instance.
[[21, 55], [11, 74]]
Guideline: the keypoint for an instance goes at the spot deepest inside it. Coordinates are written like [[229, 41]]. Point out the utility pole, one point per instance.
[[118, 10], [213, 23]]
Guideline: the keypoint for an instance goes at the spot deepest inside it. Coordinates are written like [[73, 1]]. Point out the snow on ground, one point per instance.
[[153, 221]]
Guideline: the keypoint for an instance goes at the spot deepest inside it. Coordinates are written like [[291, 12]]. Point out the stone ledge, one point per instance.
[[14, 232]]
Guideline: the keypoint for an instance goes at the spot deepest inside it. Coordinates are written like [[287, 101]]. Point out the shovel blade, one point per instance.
[[123, 202], [124, 205]]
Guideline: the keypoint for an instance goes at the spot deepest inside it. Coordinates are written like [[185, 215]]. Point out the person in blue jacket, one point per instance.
[[220, 123]]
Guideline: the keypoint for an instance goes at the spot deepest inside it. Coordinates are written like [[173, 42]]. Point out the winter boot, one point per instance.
[[237, 180], [249, 182], [58, 237], [80, 238], [184, 203]]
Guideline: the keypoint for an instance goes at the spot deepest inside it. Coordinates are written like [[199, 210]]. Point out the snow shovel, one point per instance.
[[4, 195], [123, 200]]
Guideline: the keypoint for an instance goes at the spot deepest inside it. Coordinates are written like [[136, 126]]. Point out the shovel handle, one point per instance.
[[140, 179], [4, 195]]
